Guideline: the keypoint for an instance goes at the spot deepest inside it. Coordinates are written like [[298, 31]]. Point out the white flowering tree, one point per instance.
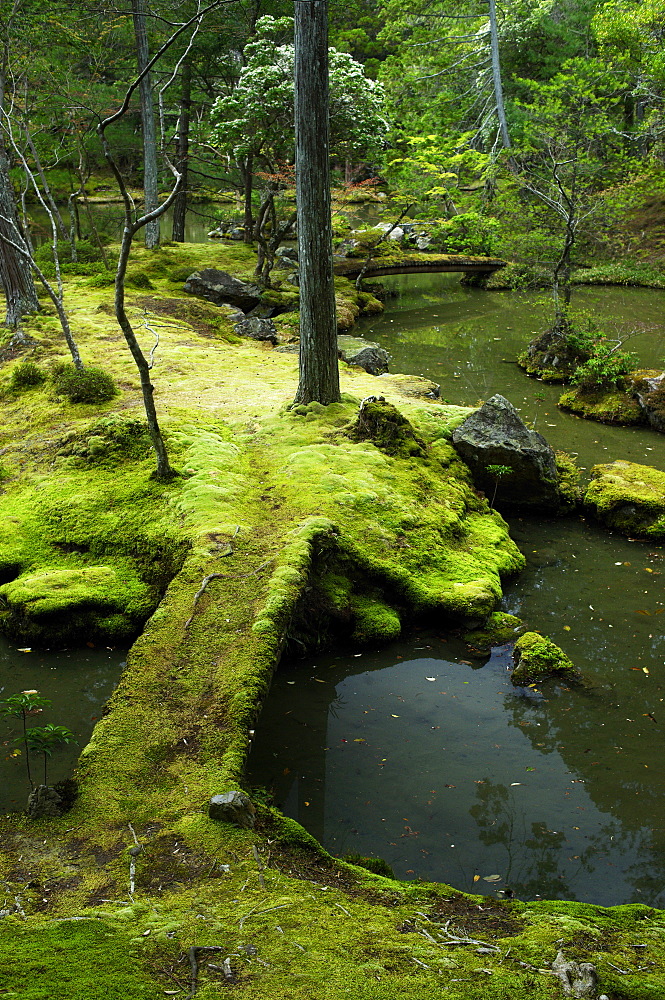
[[253, 124]]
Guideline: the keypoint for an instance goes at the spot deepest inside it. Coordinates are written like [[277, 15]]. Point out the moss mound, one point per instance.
[[382, 424], [616, 406], [498, 629], [537, 658], [629, 498]]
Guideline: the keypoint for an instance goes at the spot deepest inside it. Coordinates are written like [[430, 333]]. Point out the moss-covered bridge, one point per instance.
[[416, 263]]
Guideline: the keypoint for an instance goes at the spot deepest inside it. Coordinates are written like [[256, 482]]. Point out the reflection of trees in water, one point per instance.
[[534, 860]]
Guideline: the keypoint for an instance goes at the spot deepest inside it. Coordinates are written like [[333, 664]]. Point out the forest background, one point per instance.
[[529, 130]]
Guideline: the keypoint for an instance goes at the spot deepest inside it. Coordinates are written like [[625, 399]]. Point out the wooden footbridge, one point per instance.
[[419, 263]]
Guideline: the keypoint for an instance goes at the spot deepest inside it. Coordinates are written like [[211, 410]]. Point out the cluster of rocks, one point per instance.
[[232, 231], [240, 300], [408, 235]]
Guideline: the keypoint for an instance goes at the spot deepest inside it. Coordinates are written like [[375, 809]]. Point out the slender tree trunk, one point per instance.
[[182, 153], [15, 271], [248, 184], [496, 76], [147, 124], [163, 470], [319, 367]]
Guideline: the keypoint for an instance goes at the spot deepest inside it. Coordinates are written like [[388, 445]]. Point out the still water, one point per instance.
[[427, 756], [77, 682]]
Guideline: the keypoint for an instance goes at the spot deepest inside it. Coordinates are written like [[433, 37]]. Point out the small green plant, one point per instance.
[[20, 706], [83, 385], [46, 739], [25, 375], [606, 369], [497, 472]]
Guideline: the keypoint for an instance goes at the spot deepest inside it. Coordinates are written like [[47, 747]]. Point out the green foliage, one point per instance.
[[468, 232], [26, 375], [376, 865], [83, 385], [22, 704], [606, 368], [256, 116]]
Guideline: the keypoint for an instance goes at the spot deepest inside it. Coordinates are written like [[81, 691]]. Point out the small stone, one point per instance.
[[233, 807]]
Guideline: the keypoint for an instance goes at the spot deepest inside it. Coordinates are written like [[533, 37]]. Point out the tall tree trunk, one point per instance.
[[319, 367], [15, 270], [496, 76], [147, 124], [182, 153]]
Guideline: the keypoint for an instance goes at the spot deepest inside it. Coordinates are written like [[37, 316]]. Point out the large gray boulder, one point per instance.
[[219, 287], [495, 435]]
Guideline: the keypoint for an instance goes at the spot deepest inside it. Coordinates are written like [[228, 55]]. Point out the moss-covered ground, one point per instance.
[[274, 509]]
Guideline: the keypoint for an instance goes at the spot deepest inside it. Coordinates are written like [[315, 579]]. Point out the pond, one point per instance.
[[429, 757]]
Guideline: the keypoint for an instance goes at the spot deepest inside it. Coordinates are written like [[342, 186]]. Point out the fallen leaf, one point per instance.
[[476, 878], [645, 670], [491, 878], [24, 649], [430, 678], [566, 628], [640, 612], [647, 570], [513, 783], [394, 716]]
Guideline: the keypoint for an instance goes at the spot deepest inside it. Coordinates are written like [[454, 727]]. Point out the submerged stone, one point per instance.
[[509, 462], [537, 657], [629, 498], [233, 807]]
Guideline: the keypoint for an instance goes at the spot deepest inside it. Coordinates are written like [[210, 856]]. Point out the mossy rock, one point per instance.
[[553, 355], [382, 424], [629, 498], [498, 629], [614, 407], [537, 657]]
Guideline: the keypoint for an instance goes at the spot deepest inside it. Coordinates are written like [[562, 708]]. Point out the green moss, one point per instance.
[[570, 490], [614, 407], [537, 657], [374, 621], [629, 498], [376, 865], [71, 960]]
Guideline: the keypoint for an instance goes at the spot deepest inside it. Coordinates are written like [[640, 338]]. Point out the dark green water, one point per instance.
[[77, 682], [442, 767]]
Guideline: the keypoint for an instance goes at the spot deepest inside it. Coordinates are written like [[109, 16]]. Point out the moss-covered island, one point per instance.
[[285, 526]]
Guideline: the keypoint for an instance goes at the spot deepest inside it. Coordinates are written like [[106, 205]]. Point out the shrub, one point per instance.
[[606, 369], [25, 375], [83, 385]]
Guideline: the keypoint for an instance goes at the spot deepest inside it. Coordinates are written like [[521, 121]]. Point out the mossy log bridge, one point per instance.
[[419, 263]]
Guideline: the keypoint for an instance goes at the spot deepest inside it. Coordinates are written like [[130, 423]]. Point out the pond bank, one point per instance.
[[266, 496]]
